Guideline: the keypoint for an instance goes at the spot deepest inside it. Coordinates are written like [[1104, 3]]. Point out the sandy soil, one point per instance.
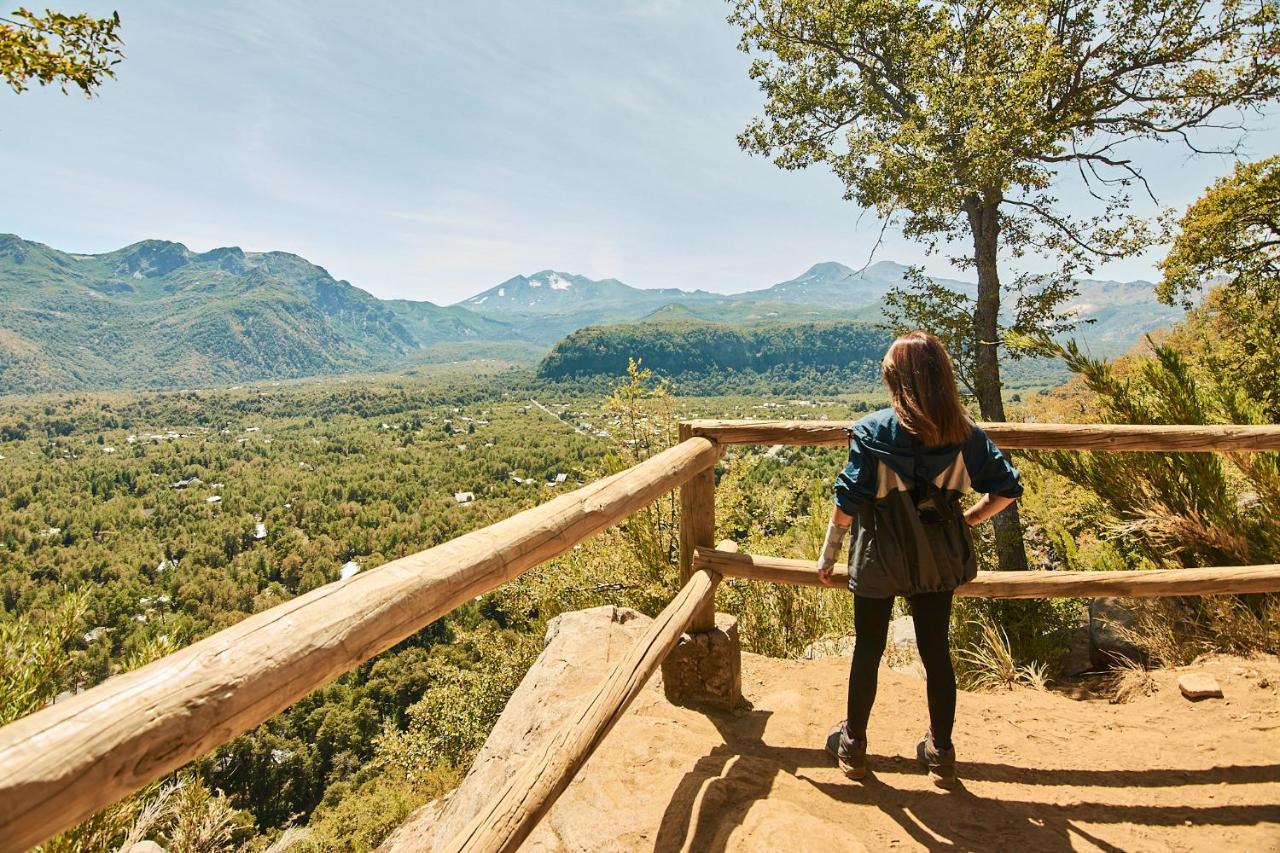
[[1041, 771]]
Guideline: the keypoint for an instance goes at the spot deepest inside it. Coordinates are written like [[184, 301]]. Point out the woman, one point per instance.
[[909, 465]]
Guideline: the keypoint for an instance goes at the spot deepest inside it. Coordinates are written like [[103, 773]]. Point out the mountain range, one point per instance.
[[156, 314]]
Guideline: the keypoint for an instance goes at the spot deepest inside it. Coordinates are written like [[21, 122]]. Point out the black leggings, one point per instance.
[[931, 612]]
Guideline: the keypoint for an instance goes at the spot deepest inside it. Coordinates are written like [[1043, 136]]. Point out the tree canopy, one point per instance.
[[1231, 232], [70, 50]]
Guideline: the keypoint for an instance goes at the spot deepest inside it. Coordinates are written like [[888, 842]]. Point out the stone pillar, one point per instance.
[[705, 669]]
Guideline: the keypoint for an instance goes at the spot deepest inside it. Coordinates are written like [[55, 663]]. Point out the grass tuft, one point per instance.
[[989, 664]]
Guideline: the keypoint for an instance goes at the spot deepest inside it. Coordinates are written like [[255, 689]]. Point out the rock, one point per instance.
[[705, 669], [903, 654], [903, 631], [828, 647], [580, 648], [1078, 657], [1199, 685], [145, 847], [756, 781], [1108, 643]]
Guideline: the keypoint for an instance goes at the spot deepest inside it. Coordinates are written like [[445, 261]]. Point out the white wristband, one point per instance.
[[831, 546]]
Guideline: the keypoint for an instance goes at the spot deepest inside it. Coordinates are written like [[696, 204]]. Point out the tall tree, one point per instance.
[[70, 50], [1231, 235], [958, 120], [1230, 232]]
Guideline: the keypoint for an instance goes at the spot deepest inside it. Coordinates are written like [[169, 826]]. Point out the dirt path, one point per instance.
[[1042, 771]]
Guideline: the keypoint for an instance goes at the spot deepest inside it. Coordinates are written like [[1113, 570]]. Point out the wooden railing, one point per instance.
[[1127, 584], [65, 762], [1011, 436], [508, 818]]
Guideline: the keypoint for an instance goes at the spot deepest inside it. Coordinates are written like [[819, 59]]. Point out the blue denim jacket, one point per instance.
[[897, 550]]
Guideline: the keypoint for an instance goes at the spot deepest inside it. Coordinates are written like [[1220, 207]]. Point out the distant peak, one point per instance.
[[551, 278], [230, 258], [152, 246], [827, 267], [886, 266], [222, 252], [151, 258], [546, 274]]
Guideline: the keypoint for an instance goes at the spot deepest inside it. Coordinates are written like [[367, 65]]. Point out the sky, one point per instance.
[[432, 150]]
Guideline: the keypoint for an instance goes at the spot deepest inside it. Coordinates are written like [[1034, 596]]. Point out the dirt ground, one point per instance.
[[1040, 770]]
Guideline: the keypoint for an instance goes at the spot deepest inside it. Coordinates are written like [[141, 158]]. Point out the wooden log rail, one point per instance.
[[1147, 583], [65, 762], [1018, 436], [506, 820]]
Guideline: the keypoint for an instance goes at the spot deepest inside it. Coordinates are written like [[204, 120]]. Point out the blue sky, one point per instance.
[[431, 150]]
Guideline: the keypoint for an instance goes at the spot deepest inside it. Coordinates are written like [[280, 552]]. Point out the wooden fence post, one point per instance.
[[705, 667], [697, 529]]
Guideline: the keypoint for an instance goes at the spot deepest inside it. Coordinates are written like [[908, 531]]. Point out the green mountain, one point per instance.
[[555, 293], [428, 322], [156, 314], [756, 313], [548, 305], [838, 287]]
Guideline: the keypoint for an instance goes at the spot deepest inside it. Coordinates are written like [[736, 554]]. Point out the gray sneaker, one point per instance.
[[941, 763], [850, 753]]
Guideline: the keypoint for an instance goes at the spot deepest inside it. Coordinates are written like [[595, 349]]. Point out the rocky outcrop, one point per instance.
[[1199, 685]]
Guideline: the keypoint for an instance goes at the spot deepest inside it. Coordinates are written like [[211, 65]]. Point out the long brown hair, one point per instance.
[[922, 388]]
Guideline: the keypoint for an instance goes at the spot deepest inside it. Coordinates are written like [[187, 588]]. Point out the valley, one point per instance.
[[476, 552]]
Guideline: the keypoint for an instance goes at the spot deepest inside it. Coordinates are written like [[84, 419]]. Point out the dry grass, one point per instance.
[[1131, 681], [1176, 631], [290, 838]]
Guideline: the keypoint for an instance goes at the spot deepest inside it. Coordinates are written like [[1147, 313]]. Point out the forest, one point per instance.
[[676, 349]]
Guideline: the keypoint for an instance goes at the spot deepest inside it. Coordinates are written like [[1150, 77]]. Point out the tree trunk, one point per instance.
[[984, 222]]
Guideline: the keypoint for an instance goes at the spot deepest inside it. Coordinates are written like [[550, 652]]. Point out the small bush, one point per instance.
[[361, 816], [989, 662], [1033, 633]]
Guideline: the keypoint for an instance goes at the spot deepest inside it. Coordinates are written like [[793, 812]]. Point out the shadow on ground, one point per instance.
[[719, 789]]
